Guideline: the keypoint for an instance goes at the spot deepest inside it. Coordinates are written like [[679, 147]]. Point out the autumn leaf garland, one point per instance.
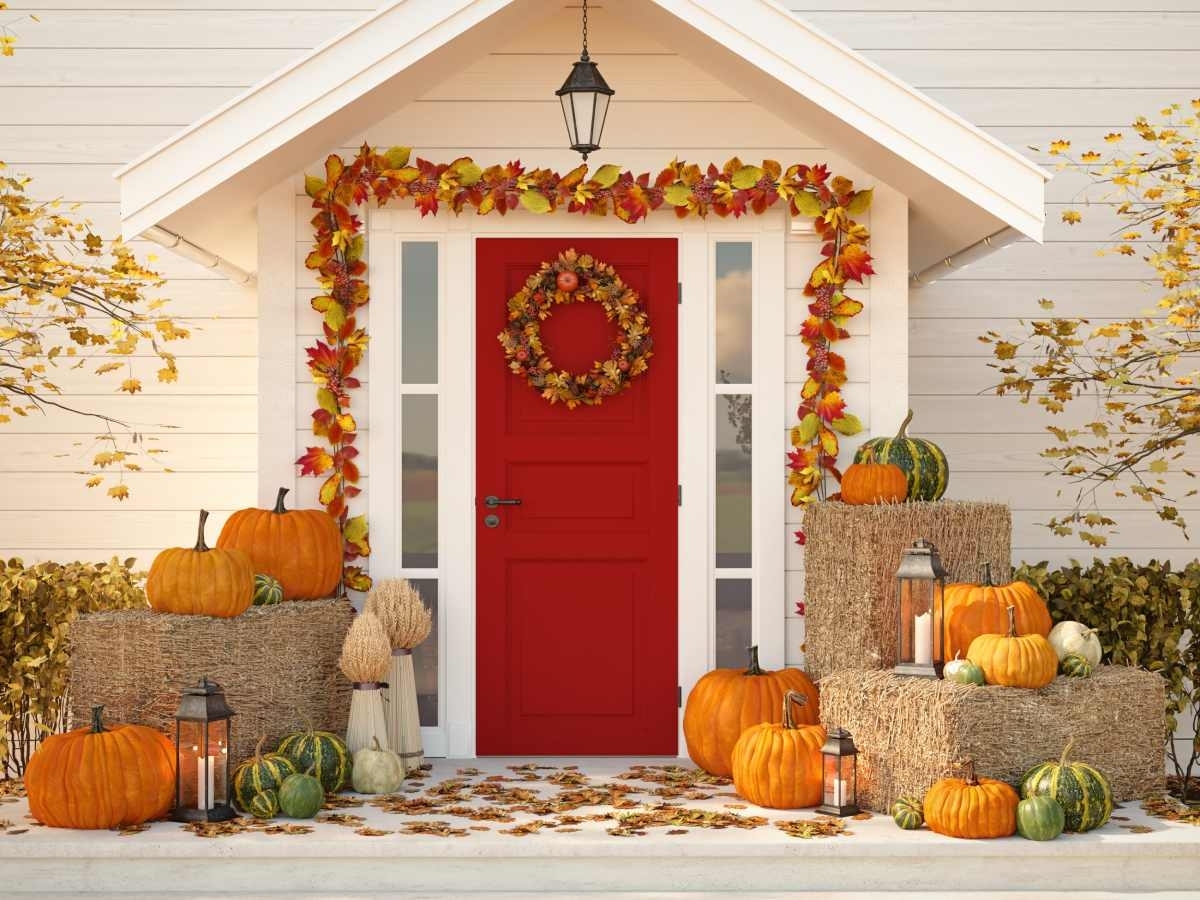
[[736, 189]]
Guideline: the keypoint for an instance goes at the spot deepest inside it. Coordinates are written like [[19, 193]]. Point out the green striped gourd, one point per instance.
[[1081, 790], [267, 590], [1040, 818], [1076, 665], [908, 814], [301, 796], [322, 753], [264, 805], [259, 773], [923, 461]]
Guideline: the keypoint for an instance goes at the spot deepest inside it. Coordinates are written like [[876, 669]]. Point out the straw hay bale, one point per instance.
[[850, 563], [912, 731], [277, 664]]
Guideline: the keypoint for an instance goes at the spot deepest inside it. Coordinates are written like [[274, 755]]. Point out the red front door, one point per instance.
[[576, 587]]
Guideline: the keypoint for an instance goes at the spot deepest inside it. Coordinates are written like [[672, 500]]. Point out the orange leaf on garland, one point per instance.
[[831, 406], [855, 262]]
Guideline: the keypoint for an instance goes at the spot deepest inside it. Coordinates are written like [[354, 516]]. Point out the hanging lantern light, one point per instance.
[[584, 97], [839, 775], [202, 755], [920, 611]]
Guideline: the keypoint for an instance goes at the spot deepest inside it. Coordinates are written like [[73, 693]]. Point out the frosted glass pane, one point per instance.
[[733, 622], [734, 312], [419, 312], [418, 482], [733, 481], [425, 657]]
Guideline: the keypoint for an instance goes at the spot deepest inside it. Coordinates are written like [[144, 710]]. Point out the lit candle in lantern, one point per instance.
[[923, 639], [206, 767]]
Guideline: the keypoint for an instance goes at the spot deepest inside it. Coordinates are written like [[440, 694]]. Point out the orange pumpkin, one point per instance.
[[971, 807], [975, 609], [301, 548], [726, 702], [779, 766], [869, 482], [1014, 660], [101, 777], [201, 581]]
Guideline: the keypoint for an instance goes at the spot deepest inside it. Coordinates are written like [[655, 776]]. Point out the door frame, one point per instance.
[[456, 236]]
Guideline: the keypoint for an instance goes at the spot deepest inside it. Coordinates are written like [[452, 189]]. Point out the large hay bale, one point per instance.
[[850, 563], [277, 664], [912, 731]]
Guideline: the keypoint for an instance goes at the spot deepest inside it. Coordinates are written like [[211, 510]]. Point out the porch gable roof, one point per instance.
[[203, 182]]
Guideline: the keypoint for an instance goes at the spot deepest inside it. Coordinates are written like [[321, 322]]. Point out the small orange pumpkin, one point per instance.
[[725, 702], [201, 581], [975, 609], [971, 807], [301, 548], [869, 482], [779, 766], [1014, 660], [101, 777]]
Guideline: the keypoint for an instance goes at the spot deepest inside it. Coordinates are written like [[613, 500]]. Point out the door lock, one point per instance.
[[491, 520]]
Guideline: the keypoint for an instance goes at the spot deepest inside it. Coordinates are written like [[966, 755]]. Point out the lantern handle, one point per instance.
[[788, 699]]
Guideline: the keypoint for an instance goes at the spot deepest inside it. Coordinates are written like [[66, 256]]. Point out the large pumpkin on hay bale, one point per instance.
[[101, 776], [726, 702], [301, 548], [1014, 660], [868, 482], [975, 609], [923, 461], [201, 581]]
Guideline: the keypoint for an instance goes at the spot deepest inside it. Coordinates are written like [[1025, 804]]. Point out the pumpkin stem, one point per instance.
[[98, 720], [201, 547], [987, 575], [375, 743], [971, 779], [1012, 621], [754, 668], [1062, 761], [903, 432], [788, 699], [279, 507], [262, 738]]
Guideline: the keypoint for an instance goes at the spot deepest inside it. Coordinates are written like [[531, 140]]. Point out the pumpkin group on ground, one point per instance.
[[259, 774], [201, 581], [320, 753], [970, 610], [779, 765], [300, 548], [1081, 790], [871, 482], [725, 702], [923, 463], [1014, 660], [971, 807], [908, 814], [101, 776]]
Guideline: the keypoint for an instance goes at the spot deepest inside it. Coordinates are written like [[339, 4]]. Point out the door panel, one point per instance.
[[576, 599]]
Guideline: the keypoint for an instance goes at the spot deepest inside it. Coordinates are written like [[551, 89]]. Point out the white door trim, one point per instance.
[[456, 430]]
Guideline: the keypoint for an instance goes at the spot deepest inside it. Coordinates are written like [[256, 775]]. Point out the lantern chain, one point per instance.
[[585, 26]]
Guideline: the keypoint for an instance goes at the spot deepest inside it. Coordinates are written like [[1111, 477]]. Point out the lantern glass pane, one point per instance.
[[218, 755], [191, 739], [847, 780], [569, 118], [937, 602], [916, 621], [598, 117], [831, 794], [585, 106]]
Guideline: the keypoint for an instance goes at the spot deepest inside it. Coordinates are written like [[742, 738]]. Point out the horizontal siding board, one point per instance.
[[231, 376], [1019, 298], [106, 145], [154, 104], [148, 491], [144, 67], [992, 415], [1070, 261], [193, 452], [1051, 494], [1057, 108], [148, 414], [111, 530], [252, 29]]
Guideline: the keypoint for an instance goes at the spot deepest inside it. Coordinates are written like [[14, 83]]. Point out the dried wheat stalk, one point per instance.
[[405, 617], [366, 652]]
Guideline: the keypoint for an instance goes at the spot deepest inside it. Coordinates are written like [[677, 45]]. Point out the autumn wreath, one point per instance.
[[576, 278]]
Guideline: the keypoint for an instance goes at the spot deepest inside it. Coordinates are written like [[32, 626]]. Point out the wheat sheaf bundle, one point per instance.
[[406, 619], [366, 652]]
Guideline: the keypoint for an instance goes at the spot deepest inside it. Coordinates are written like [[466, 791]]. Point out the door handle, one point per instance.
[[491, 501]]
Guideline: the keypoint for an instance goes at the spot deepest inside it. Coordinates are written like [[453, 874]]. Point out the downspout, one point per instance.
[[198, 254], [977, 251]]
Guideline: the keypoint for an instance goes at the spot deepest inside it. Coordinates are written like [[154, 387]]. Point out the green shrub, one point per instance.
[[37, 605], [1145, 615]]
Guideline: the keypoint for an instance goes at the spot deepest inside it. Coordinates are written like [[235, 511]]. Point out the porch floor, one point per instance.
[[482, 854]]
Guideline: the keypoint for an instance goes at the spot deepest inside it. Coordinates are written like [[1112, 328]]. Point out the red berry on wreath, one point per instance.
[[567, 282], [623, 365], [522, 355]]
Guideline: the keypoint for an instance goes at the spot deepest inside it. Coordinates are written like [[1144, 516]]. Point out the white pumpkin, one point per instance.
[[1075, 637], [377, 771]]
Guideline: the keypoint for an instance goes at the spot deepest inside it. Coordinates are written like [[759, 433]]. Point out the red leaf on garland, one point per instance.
[[854, 262]]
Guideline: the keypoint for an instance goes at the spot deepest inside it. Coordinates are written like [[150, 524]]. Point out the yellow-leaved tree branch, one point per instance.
[[1138, 376]]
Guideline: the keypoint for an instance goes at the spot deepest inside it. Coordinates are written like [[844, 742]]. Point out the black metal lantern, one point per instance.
[[920, 593], [202, 755], [839, 775], [584, 97]]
